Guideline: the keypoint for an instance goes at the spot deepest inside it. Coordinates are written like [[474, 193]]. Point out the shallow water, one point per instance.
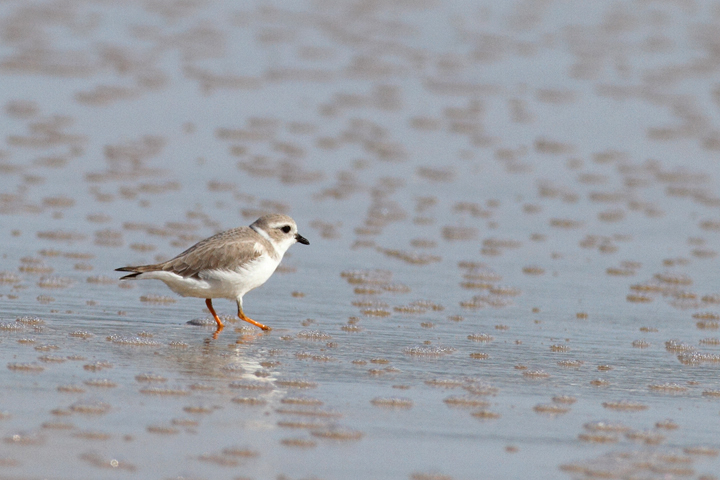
[[513, 217]]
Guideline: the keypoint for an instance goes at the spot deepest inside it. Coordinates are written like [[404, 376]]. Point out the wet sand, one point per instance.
[[513, 212]]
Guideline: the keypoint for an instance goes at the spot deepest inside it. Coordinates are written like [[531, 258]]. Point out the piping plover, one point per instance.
[[226, 265]]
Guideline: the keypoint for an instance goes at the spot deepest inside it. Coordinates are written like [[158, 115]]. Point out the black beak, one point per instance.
[[301, 239]]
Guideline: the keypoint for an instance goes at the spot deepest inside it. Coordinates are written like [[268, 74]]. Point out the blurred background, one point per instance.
[[513, 214]]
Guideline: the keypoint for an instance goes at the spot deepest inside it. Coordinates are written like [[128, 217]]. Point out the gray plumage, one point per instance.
[[228, 250]]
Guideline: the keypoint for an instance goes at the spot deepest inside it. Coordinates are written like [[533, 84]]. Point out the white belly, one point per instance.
[[219, 283]]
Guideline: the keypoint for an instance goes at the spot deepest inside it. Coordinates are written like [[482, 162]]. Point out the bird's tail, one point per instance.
[[140, 269]]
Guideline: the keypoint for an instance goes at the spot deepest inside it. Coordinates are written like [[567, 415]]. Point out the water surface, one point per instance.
[[513, 217]]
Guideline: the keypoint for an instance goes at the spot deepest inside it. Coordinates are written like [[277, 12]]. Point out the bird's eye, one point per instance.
[[286, 229]]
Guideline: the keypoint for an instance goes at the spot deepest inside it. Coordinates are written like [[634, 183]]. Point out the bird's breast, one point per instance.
[[236, 282]]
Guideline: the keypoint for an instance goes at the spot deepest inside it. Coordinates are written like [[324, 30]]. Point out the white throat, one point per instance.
[[283, 245]]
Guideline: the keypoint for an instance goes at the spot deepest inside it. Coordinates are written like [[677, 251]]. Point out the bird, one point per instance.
[[226, 265]]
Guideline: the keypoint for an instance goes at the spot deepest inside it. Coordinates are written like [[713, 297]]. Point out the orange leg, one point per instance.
[[250, 320], [220, 326]]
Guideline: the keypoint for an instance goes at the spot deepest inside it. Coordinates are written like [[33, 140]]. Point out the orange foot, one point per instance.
[[220, 325], [216, 333], [250, 320]]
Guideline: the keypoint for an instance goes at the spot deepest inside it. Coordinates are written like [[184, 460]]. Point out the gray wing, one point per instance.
[[228, 250]]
